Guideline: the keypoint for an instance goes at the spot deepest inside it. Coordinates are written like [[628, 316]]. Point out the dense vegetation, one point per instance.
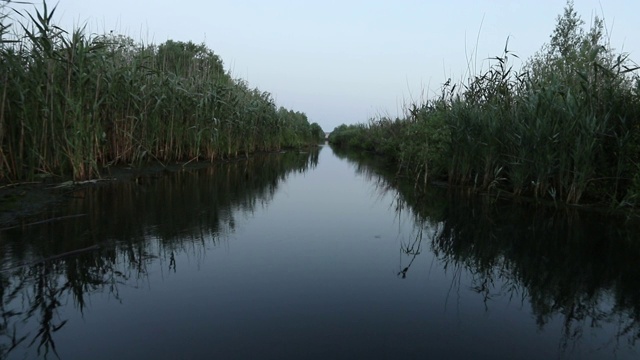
[[565, 127], [73, 103]]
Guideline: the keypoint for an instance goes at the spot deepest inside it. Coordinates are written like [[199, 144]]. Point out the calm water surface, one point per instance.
[[314, 256]]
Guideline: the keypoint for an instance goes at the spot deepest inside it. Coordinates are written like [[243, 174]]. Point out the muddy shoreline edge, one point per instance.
[[24, 203]]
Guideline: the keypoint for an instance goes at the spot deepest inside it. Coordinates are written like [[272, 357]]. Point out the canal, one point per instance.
[[314, 255]]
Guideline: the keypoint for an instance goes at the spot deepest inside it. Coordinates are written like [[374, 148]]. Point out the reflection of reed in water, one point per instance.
[[412, 250], [135, 224], [568, 264], [579, 266], [42, 289]]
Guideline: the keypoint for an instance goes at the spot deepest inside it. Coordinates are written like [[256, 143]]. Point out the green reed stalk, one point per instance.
[[72, 104], [565, 127]]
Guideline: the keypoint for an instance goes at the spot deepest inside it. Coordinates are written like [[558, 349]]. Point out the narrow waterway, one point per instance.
[[314, 256]]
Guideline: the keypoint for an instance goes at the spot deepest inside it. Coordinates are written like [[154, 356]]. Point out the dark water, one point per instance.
[[314, 255]]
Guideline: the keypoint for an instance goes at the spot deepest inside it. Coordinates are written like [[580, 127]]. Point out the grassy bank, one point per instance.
[[72, 103], [566, 126]]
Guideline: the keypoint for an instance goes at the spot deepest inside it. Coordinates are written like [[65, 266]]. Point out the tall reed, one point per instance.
[[565, 127], [73, 103]]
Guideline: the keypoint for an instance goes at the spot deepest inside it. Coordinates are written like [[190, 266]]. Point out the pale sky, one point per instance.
[[347, 61]]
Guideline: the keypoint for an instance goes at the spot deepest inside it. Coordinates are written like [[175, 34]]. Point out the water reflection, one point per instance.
[[178, 266], [119, 234], [579, 268]]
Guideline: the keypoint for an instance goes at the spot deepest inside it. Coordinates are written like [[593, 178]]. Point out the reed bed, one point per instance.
[[564, 127], [73, 103]]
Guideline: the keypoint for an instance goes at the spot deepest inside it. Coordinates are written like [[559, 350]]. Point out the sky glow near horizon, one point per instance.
[[351, 60]]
